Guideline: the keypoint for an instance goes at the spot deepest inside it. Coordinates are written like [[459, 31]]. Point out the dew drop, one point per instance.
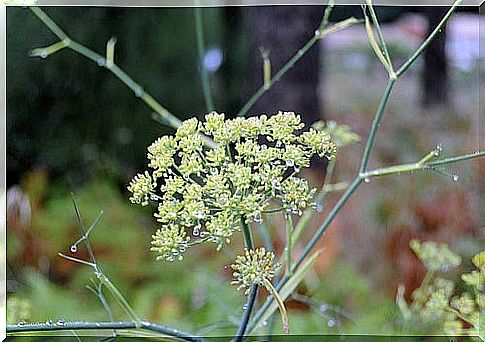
[[101, 62], [245, 306], [366, 179], [21, 323], [264, 323], [138, 92], [455, 178], [317, 33], [49, 322], [330, 323], [43, 54], [73, 248], [60, 322]]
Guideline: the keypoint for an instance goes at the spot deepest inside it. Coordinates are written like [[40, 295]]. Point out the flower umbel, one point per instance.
[[254, 267], [436, 256], [142, 187], [205, 194], [170, 242], [257, 267]]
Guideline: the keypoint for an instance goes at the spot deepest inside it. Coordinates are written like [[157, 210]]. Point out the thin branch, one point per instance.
[[122, 325], [375, 125], [382, 41], [428, 40], [319, 201], [164, 114], [248, 307], [289, 244], [418, 166], [322, 31], [199, 32], [456, 159]]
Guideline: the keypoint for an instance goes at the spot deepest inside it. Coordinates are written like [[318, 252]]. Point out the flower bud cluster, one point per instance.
[[204, 194]]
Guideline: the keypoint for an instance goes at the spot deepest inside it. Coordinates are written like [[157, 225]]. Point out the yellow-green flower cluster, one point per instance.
[[142, 187], [435, 256], [254, 267], [170, 242], [205, 194], [435, 302]]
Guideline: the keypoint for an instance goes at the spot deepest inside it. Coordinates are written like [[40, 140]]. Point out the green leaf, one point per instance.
[[375, 46]]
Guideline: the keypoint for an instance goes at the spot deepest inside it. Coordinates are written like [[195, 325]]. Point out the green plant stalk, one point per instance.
[[121, 300], [248, 240], [171, 119], [289, 244], [375, 125], [281, 305], [377, 49], [453, 160], [363, 165], [123, 325], [319, 199], [418, 166], [323, 31], [428, 40], [382, 41], [308, 248], [199, 32]]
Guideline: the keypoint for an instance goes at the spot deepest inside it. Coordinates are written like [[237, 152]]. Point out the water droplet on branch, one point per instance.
[[74, 248]]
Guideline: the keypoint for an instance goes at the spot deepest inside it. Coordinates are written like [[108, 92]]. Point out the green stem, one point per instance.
[[308, 248], [289, 245], [248, 240], [163, 114], [121, 300], [382, 41], [456, 159], [199, 32], [281, 305], [418, 166], [171, 119], [375, 125], [124, 325], [319, 200], [322, 32], [331, 215], [428, 40]]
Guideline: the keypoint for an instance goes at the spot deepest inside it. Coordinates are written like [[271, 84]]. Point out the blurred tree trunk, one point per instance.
[[435, 71], [282, 30]]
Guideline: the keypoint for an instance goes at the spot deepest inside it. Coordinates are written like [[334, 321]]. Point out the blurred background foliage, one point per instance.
[[71, 126]]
